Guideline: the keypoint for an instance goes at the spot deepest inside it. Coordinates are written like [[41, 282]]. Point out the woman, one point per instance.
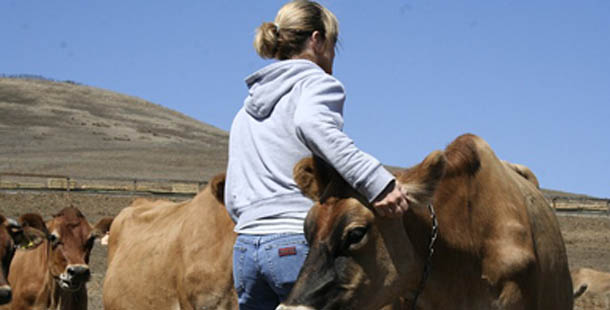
[[293, 110]]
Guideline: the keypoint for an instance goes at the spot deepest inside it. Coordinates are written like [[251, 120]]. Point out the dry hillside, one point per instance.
[[66, 129]]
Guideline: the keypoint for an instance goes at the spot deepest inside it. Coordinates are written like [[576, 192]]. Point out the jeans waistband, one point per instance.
[[262, 239]]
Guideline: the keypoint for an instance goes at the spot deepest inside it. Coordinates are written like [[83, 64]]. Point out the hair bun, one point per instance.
[[265, 41]]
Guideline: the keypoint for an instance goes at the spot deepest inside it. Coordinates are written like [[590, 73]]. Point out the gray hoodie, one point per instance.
[[293, 110]]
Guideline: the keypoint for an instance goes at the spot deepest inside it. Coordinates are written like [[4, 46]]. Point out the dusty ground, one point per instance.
[[587, 238]]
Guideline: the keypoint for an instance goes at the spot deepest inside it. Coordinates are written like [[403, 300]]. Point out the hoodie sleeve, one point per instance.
[[319, 124]]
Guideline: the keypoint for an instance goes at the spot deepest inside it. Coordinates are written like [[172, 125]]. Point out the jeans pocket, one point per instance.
[[285, 259], [239, 255]]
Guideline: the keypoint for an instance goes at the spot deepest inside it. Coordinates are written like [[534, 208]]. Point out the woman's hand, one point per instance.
[[392, 202]]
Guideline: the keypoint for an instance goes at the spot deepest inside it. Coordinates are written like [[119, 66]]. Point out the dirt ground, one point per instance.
[[587, 238]]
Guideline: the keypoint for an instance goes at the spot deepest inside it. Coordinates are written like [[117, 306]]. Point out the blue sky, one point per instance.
[[530, 77]]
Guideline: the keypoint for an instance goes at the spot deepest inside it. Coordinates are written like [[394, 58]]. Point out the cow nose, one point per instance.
[[79, 271], [5, 294], [284, 307]]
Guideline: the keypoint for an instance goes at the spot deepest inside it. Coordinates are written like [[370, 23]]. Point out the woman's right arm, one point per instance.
[[319, 124]]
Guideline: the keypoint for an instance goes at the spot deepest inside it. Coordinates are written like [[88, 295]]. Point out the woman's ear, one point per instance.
[[317, 41]]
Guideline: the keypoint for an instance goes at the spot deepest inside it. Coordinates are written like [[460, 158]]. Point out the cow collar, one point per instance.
[[428, 265]]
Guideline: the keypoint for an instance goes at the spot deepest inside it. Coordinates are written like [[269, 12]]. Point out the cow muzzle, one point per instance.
[[284, 307], [5, 294], [74, 277]]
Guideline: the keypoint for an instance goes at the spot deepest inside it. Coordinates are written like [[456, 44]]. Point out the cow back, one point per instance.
[[171, 255]]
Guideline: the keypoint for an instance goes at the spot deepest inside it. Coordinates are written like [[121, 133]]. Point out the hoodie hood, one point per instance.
[[268, 85]]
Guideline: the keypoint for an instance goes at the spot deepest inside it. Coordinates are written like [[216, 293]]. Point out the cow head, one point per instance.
[[13, 234], [357, 260], [71, 239]]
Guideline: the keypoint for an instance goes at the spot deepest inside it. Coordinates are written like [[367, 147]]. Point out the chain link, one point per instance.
[[428, 265]]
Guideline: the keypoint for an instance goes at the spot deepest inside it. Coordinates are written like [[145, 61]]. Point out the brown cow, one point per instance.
[[165, 255], [54, 275], [13, 235], [588, 281], [498, 247]]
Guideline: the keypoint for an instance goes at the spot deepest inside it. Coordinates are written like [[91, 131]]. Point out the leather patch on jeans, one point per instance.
[[287, 251]]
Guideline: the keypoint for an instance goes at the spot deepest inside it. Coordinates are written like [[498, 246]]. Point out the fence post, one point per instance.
[[608, 205]]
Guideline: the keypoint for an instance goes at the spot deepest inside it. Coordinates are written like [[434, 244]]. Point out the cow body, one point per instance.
[[165, 255], [15, 234], [498, 247], [54, 274]]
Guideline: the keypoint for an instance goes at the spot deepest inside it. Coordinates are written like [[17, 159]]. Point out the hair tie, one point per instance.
[[277, 27]]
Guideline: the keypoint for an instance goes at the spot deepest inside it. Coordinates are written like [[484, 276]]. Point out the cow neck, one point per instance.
[[68, 300], [51, 285], [428, 263], [6, 263]]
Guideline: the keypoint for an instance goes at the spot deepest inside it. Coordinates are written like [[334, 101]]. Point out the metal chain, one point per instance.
[[428, 265]]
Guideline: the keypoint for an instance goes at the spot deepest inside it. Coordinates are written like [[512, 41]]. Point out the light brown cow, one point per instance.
[[165, 255], [498, 247], [54, 275], [13, 235], [588, 281]]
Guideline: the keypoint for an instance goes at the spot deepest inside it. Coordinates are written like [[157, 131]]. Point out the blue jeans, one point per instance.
[[265, 268]]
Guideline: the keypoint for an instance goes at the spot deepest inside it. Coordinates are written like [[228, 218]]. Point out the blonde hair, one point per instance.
[[293, 25]]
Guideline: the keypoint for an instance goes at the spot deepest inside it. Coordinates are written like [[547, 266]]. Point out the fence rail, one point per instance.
[[579, 204], [31, 181], [60, 182]]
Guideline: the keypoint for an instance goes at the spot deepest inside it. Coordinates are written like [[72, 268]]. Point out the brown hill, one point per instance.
[[67, 129]]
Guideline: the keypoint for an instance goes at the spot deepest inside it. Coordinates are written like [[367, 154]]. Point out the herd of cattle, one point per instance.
[[498, 246]]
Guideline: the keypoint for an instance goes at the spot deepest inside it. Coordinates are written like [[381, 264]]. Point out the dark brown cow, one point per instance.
[[498, 247], [54, 275], [168, 255]]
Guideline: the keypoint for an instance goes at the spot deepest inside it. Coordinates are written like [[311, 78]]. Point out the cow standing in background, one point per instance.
[[15, 234], [54, 275], [499, 245], [167, 255]]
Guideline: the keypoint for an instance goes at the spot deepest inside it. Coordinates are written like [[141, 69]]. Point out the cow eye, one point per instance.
[[53, 239], [356, 235]]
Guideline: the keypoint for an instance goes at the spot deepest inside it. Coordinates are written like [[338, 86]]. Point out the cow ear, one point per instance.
[[31, 232], [314, 177], [523, 171], [421, 180], [102, 227], [217, 186], [304, 176], [33, 220]]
